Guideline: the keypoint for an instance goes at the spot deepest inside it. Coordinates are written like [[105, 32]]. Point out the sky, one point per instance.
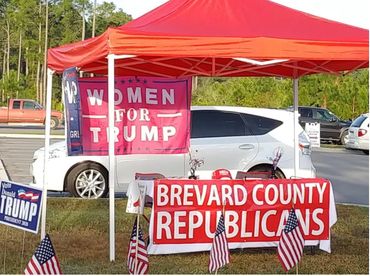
[[353, 12]]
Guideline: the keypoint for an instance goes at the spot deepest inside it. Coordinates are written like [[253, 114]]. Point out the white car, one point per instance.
[[233, 138], [358, 134]]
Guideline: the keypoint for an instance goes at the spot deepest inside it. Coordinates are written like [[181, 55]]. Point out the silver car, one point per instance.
[[233, 138]]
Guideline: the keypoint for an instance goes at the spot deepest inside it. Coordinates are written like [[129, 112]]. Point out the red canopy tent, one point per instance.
[[225, 38], [211, 38]]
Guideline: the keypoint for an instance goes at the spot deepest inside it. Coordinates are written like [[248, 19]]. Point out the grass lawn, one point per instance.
[[79, 231]]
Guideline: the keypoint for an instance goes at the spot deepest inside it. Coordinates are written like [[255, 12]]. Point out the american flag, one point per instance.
[[142, 254], [219, 255], [290, 248], [44, 261]]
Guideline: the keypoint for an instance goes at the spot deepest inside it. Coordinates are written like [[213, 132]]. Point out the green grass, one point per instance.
[[79, 232]]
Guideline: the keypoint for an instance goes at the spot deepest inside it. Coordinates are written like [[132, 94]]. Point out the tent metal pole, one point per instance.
[[46, 150], [112, 160], [296, 127]]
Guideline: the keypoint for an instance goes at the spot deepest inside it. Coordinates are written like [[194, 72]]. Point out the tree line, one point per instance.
[[347, 95], [30, 27]]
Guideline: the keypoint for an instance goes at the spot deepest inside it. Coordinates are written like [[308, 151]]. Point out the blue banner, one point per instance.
[[20, 206], [72, 105]]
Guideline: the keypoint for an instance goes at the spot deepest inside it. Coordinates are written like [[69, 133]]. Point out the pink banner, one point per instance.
[[152, 115]]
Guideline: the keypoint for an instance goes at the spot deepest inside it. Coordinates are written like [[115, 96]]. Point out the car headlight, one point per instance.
[[304, 143], [36, 155]]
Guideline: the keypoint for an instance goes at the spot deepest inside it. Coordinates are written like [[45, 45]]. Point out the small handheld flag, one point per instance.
[[219, 255], [44, 261], [290, 248], [137, 259]]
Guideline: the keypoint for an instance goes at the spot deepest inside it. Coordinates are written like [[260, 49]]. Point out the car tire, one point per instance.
[[265, 168], [88, 180], [344, 138], [366, 152], [54, 122]]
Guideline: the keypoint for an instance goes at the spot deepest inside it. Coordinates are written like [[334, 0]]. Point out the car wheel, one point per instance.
[[88, 180], [267, 169], [344, 138], [366, 152], [54, 122]]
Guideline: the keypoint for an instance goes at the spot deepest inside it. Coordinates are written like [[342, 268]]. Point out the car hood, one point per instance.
[[56, 150], [345, 123]]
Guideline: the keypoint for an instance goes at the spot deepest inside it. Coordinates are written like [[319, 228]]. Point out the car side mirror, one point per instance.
[[333, 119]]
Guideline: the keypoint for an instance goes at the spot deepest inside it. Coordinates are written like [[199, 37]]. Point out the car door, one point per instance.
[[170, 165], [15, 112], [305, 116], [221, 140], [329, 124], [32, 113]]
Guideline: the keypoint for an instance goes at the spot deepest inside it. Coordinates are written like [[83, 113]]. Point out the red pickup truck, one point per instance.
[[25, 111]]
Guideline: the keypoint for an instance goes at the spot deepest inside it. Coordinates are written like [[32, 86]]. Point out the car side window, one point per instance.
[[215, 123], [28, 105], [305, 112], [260, 125], [323, 115], [16, 105]]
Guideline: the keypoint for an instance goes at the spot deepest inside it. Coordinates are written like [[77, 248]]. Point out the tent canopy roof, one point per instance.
[[220, 38]]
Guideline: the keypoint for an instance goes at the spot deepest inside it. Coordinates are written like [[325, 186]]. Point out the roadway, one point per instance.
[[347, 170]]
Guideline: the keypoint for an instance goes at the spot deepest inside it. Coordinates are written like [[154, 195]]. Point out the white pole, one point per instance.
[[112, 163], [296, 125], [46, 149]]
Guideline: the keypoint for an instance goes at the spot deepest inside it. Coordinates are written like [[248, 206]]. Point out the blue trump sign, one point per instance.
[[73, 111], [20, 206]]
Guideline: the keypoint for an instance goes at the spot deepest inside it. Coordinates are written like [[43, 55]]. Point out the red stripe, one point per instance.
[[285, 253], [58, 266], [282, 259], [219, 255], [35, 264], [54, 265], [291, 243], [290, 248], [142, 257], [43, 270], [288, 251], [298, 243], [283, 256], [48, 267]]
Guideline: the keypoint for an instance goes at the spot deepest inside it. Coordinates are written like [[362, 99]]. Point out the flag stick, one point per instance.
[[296, 267], [137, 233], [24, 237], [6, 238], [223, 213]]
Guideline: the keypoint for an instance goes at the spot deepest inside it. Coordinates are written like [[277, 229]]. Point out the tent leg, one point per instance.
[[112, 160], [296, 127], [46, 150]]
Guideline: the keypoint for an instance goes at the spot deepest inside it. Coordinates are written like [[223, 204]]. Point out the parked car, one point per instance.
[[234, 138], [25, 111], [358, 137], [332, 129]]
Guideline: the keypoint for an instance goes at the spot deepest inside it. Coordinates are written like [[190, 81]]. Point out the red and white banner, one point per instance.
[[185, 212], [152, 115]]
